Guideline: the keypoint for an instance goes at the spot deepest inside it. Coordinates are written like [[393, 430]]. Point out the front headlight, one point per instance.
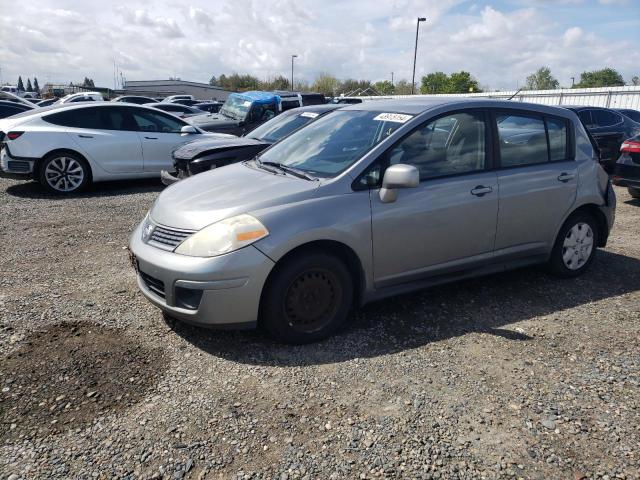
[[223, 237]]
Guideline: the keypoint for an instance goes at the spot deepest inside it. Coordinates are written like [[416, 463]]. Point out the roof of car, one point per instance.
[[418, 105], [317, 108]]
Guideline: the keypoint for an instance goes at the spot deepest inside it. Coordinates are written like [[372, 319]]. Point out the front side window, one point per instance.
[[157, 122], [522, 140], [281, 126], [585, 118], [333, 143], [449, 145]]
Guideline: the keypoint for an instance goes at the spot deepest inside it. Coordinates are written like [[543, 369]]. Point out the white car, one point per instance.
[[82, 97], [172, 98], [67, 147]]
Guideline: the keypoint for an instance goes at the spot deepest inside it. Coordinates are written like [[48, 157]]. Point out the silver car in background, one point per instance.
[[374, 200]]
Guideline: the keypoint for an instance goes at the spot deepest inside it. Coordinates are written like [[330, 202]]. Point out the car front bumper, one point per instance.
[[226, 288]]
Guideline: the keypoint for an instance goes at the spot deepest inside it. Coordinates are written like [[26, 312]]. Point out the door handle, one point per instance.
[[85, 136], [481, 190], [565, 177], [151, 138]]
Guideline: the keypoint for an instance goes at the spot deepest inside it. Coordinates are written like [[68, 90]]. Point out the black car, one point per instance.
[[206, 154], [182, 111], [632, 114], [8, 108], [626, 171], [609, 129], [211, 107], [137, 99]]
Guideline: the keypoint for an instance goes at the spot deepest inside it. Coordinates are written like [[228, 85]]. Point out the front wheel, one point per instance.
[[64, 173], [634, 192], [307, 298], [575, 246]]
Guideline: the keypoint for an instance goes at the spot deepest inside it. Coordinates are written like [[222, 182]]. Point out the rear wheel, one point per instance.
[[64, 173], [307, 298], [634, 192], [575, 246]]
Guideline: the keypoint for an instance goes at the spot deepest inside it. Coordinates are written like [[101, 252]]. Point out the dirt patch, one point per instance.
[[66, 376]]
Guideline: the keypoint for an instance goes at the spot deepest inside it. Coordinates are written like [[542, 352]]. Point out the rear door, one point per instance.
[[102, 134], [449, 221], [537, 177], [160, 135]]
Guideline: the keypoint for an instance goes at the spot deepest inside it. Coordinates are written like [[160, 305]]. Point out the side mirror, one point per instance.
[[188, 130], [398, 176]]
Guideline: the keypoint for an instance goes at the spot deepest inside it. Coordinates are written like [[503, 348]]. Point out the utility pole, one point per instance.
[[573, 81], [392, 79], [415, 53], [292, 57]]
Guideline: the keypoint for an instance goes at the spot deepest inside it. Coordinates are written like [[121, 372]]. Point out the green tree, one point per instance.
[[277, 83], [463, 82], [88, 83], [542, 80], [36, 87], [20, 84], [437, 82], [326, 84], [29, 87], [403, 87], [384, 87], [635, 81], [607, 77], [213, 81]]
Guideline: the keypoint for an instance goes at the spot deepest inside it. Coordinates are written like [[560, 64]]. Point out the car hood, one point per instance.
[[190, 150], [206, 198]]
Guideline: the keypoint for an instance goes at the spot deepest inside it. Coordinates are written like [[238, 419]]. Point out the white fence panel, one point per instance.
[[612, 97]]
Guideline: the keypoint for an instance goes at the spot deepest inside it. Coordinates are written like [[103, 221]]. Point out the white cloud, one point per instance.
[[66, 40]]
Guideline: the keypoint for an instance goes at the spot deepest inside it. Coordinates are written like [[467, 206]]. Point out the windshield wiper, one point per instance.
[[290, 170]]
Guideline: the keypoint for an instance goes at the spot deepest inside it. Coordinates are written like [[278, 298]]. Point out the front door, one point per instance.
[[448, 222]]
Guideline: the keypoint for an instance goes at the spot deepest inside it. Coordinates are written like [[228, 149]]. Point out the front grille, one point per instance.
[[168, 238], [153, 284], [18, 166]]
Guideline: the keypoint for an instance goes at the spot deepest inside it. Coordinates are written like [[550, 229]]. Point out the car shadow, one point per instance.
[[34, 190], [634, 201], [482, 305]]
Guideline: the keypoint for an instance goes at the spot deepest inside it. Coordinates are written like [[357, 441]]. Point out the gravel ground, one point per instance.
[[516, 375]]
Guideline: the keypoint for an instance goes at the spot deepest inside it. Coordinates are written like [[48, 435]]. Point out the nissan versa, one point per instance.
[[373, 200]]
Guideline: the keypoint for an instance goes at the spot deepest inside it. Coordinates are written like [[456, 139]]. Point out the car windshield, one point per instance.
[[333, 143], [282, 125], [236, 107]]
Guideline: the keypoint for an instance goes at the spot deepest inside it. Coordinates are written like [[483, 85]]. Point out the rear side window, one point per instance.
[[532, 139], [585, 117], [522, 140], [557, 130], [605, 118], [7, 111], [102, 118]]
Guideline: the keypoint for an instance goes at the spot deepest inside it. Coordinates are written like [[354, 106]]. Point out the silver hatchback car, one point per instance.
[[373, 200]]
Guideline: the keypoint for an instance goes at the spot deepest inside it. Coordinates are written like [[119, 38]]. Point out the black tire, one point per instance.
[[634, 192], [307, 298], [577, 265], [53, 176]]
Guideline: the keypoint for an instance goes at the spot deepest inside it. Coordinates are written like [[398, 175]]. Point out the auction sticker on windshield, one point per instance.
[[309, 114], [393, 117]]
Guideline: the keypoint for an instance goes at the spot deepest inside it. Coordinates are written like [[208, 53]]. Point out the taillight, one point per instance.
[[628, 146], [13, 135]]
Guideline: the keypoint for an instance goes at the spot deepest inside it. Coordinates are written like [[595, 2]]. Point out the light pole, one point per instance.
[[415, 53], [392, 79], [573, 81], [292, 57]]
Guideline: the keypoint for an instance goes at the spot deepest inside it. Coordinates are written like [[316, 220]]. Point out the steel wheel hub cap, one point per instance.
[[577, 246], [311, 300], [64, 174]]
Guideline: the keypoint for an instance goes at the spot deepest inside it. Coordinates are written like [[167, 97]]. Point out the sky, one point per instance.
[[499, 42]]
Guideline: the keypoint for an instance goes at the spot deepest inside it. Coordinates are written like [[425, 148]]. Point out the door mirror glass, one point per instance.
[[398, 176], [188, 129]]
